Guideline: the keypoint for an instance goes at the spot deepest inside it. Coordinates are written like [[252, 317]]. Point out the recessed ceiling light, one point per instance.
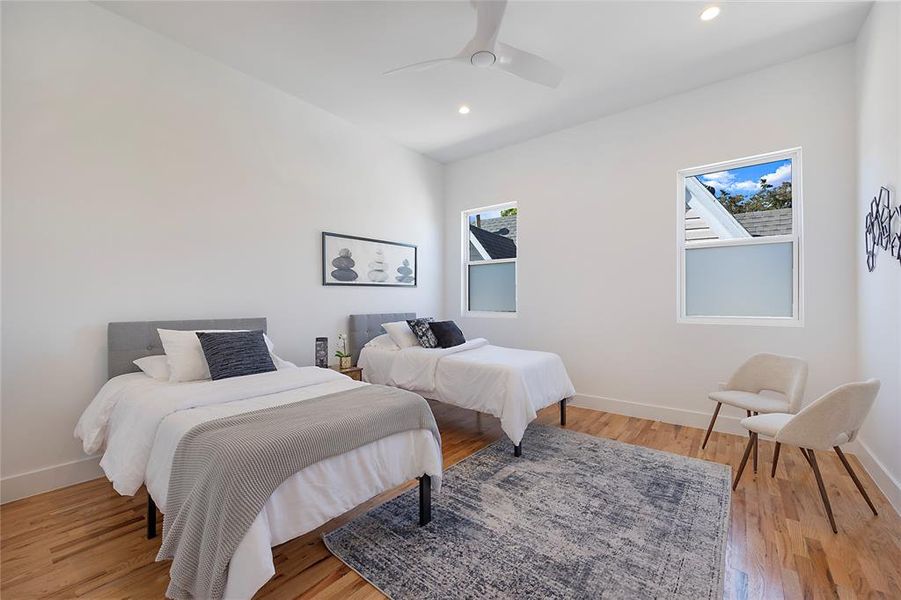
[[710, 13], [463, 110]]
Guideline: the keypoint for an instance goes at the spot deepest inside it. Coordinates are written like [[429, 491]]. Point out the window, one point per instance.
[[489, 260], [739, 236]]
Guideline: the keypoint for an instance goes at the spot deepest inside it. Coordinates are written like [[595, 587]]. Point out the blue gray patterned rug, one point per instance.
[[576, 516]]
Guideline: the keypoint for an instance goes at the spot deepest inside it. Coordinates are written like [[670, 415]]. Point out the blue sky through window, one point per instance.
[[746, 180], [488, 214]]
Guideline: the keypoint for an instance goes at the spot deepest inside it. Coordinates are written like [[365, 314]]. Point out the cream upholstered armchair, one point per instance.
[[747, 388], [828, 422]]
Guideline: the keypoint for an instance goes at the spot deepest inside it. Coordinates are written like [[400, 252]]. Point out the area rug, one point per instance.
[[576, 516]]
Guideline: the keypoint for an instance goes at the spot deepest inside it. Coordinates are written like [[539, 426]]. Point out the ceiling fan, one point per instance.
[[484, 51]]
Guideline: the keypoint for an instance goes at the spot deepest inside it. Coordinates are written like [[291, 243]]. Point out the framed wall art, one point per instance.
[[353, 260]]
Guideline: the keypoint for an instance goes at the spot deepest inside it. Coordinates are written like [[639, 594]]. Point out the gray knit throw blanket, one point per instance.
[[225, 470]]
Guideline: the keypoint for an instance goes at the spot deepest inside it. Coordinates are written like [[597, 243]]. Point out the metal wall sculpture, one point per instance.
[[882, 227]]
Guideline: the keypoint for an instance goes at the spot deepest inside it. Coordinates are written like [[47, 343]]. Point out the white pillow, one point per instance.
[[383, 342], [281, 363], [401, 334], [184, 354], [154, 366]]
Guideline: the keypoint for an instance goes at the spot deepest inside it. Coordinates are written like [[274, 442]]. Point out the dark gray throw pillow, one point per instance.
[[235, 353], [422, 332], [447, 333]]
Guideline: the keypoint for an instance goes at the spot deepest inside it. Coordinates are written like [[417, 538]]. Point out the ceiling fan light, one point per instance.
[[463, 110], [710, 13]]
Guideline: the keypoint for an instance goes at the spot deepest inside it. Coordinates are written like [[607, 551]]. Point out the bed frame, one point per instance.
[[362, 328], [129, 341]]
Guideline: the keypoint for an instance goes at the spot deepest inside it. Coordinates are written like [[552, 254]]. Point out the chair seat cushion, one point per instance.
[[768, 425], [748, 401]]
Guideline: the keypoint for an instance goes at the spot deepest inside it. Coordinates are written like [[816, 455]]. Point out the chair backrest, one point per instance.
[[784, 374], [840, 411]]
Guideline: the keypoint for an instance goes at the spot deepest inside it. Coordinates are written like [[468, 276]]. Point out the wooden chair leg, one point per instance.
[[744, 460], [816, 472], [755, 446], [853, 475], [775, 458], [755, 457], [716, 411], [806, 456]]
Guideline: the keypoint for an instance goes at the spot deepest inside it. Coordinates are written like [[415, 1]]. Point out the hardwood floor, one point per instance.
[[87, 541]]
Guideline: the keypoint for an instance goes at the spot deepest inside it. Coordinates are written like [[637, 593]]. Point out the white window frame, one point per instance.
[[796, 239], [464, 236]]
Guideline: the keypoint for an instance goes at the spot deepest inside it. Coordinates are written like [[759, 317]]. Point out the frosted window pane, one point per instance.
[[492, 287], [739, 281]]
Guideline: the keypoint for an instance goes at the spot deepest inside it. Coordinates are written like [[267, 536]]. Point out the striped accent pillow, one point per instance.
[[235, 353]]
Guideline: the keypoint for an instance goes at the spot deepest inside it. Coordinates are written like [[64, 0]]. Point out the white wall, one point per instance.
[[597, 230], [879, 292], [142, 180]]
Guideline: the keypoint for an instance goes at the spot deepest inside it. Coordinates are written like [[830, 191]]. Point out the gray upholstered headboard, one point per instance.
[[362, 328], [132, 340]]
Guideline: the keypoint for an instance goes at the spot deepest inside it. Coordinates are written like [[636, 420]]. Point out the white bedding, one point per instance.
[[508, 383], [140, 421]]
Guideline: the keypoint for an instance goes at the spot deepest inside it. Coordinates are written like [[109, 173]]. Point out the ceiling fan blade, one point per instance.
[[489, 14], [528, 66], [422, 66]]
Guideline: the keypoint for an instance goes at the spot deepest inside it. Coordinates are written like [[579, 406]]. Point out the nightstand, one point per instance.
[[353, 372]]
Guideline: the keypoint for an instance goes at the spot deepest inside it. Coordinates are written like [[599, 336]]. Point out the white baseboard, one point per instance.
[[890, 486], [23, 485], [27, 484], [727, 423]]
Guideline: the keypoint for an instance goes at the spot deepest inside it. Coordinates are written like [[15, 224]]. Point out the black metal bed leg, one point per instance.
[[517, 449], [151, 518], [563, 413], [425, 500]]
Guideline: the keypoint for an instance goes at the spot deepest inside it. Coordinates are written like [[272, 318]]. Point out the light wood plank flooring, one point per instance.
[[87, 541]]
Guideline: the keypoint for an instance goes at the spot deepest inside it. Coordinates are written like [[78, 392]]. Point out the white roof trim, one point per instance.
[[712, 212], [479, 247]]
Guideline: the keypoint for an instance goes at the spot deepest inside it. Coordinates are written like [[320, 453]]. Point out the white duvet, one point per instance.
[[139, 421], [508, 383]]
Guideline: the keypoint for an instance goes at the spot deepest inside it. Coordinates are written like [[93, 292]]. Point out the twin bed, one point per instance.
[[507, 383], [146, 428], [139, 422]]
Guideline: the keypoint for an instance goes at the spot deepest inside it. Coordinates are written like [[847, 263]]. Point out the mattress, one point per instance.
[[509, 383]]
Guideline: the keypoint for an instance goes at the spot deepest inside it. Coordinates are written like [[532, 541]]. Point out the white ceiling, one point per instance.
[[616, 54]]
